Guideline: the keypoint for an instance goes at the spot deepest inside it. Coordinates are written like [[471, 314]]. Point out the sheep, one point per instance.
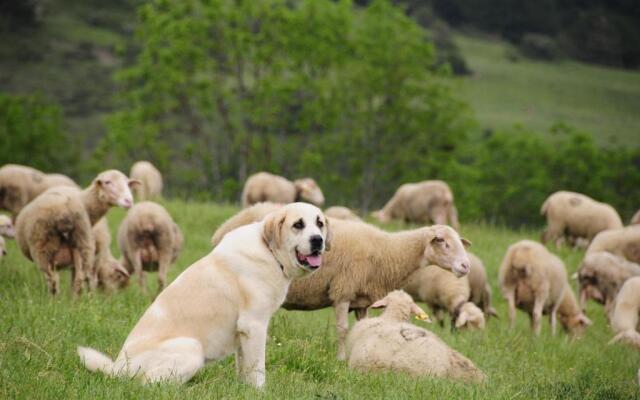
[[422, 202], [263, 186], [149, 240], [635, 220], [601, 275], [442, 290], [150, 178], [251, 214], [338, 212], [535, 281], [390, 343], [624, 242], [624, 319], [111, 274], [20, 184], [55, 229], [6, 227], [481, 294], [576, 215], [365, 263]]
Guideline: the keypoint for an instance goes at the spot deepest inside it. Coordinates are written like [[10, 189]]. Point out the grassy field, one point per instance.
[[602, 101], [38, 337]]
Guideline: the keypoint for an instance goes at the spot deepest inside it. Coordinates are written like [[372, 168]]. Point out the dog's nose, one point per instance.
[[316, 242]]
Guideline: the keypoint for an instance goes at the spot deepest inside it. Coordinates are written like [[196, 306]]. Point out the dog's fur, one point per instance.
[[221, 304]]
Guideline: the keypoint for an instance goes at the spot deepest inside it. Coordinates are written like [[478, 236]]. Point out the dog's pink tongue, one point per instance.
[[314, 261]]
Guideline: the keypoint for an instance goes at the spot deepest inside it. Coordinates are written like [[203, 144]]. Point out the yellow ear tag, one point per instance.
[[423, 317]]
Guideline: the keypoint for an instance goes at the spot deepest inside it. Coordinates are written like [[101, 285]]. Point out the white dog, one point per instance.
[[223, 303]]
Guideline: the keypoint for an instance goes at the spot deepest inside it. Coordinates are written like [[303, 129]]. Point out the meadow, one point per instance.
[[504, 91], [39, 334]]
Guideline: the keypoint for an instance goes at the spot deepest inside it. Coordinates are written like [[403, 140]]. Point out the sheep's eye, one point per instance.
[[438, 239], [319, 223], [107, 182], [299, 224]]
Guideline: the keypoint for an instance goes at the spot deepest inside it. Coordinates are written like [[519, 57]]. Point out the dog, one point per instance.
[[222, 304]]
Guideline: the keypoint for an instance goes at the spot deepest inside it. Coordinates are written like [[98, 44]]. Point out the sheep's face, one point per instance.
[[113, 275], [446, 249], [575, 324], [6, 227], [297, 234], [115, 188], [309, 190], [381, 216], [470, 316]]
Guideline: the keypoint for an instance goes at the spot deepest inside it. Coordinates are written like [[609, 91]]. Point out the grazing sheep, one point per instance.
[[481, 294], [54, 230], [150, 179], [624, 242], [251, 214], [20, 184], [423, 202], [601, 275], [149, 240], [111, 274], [364, 264], [535, 281], [624, 319], [635, 219], [264, 186], [6, 227], [576, 215], [390, 343], [442, 290], [338, 212]]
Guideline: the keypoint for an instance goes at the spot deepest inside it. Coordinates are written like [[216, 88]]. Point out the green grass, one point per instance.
[[38, 336], [603, 101]]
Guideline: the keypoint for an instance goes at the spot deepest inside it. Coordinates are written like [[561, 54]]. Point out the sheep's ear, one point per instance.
[[382, 303], [134, 183], [493, 313], [121, 269], [329, 239], [465, 242], [584, 321], [272, 229], [462, 319], [416, 310]]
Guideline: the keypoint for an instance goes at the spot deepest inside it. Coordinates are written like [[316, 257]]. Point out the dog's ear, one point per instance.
[[329, 238], [272, 229]]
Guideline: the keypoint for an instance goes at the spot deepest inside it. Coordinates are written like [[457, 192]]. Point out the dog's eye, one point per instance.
[[319, 223], [299, 224]]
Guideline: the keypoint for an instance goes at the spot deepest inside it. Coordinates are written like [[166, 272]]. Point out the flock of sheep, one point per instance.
[[56, 224]]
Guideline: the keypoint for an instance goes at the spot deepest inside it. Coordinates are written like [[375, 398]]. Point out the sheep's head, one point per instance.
[[576, 324], [114, 188], [113, 275], [6, 226], [309, 190], [381, 216], [469, 316], [401, 306], [446, 249]]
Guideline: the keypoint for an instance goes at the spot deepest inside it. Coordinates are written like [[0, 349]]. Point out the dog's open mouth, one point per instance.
[[311, 261]]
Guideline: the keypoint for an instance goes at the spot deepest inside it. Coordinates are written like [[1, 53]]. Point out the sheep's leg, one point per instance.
[[163, 266], [342, 327], [137, 269], [510, 296], [78, 273], [50, 275], [583, 298], [536, 316], [361, 313], [552, 320]]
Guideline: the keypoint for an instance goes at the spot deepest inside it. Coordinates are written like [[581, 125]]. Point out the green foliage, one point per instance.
[[32, 134]]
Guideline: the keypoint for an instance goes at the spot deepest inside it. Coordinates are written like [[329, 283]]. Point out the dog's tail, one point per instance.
[[95, 361]]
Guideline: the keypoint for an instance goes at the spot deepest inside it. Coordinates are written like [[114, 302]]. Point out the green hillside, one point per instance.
[[603, 101]]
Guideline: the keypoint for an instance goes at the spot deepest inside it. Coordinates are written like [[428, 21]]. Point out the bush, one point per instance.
[[541, 47]]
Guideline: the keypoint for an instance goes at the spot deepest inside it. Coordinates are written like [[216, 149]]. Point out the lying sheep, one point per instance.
[[339, 212], [535, 281], [390, 343], [111, 274], [624, 319], [251, 214], [149, 240], [423, 202], [150, 180], [624, 242], [365, 264], [601, 275], [6, 227], [635, 219], [264, 186], [576, 215], [20, 184], [55, 229], [442, 290], [481, 294]]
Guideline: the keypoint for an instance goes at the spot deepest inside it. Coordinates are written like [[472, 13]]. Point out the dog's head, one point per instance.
[[297, 234], [446, 249]]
